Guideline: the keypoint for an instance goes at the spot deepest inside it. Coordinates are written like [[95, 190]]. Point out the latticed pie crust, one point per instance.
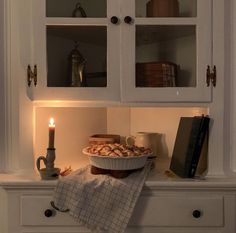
[[117, 150]]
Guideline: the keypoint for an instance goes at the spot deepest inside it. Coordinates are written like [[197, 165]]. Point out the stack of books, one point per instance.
[[190, 143]]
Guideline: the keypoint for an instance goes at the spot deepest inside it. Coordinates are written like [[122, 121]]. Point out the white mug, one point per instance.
[[144, 139]]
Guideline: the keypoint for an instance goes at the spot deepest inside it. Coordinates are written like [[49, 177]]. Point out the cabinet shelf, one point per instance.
[[76, 21], [166, 21]]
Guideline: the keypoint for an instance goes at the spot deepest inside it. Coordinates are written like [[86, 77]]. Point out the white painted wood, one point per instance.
[[161, 211], [19, 144], [217, 158], [2, 89], [42, 92], [17, 128], [177, 211], [76, 21], [11, 108], [200, 93], [143, 94], [232, 85], [38, 204], [177, 208], [3, 216], [20, 107], [166, 21]]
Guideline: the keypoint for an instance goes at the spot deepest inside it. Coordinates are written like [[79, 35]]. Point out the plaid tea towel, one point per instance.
[[100, 202]]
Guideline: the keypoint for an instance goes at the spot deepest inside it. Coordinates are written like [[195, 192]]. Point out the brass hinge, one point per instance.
[[32, 75], [211, 76]]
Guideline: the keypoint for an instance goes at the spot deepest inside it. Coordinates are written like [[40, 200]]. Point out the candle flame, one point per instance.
[[51, 122]]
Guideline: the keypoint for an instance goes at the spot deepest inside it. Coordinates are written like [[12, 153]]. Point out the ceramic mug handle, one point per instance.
[[130, 140]]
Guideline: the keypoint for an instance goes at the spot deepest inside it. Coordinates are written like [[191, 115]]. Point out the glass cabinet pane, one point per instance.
[[75, 8], [165, 56], [76, 56], [166, 8]]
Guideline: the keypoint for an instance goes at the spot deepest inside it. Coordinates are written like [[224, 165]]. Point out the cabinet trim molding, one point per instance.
[[6, 158]]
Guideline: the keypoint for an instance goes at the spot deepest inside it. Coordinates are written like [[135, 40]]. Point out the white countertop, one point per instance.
[[156, 180]]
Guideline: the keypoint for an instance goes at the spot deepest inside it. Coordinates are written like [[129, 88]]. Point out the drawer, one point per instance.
[[32, 213], [150, 211], [178, 211]]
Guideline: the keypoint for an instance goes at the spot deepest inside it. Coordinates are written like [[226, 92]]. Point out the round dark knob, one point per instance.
[[114, 20], [128, 19], [196, 213], [48, 213]]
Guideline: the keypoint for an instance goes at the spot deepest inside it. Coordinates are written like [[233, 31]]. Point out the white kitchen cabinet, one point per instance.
[[54, 36], [158, 209], [22, 50], [184, 40], [113, 51]]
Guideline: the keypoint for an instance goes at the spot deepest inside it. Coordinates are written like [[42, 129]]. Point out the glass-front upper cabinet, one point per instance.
[[75, 50], [166, 50], [128, 50]]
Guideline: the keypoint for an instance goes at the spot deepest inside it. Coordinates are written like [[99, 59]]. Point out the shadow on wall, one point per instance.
[[162, 149]]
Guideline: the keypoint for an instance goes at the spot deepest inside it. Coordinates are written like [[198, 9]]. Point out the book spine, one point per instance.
[[196, 124], [198, 146]]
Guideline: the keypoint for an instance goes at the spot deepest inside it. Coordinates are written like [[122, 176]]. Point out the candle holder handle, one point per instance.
[[48, 160], [38, 162]]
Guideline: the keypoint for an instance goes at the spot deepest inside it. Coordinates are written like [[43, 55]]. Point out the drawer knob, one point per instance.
[[48, 213], [197, 213]]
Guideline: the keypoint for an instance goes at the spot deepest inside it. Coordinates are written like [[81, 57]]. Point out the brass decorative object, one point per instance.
[[32, 75], [79, 11], [76, 68]]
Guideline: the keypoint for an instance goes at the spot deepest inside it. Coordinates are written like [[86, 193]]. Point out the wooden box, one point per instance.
[[156, 74], [163, 8]]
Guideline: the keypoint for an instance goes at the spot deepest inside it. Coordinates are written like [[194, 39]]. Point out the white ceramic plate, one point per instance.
[[117, 163]]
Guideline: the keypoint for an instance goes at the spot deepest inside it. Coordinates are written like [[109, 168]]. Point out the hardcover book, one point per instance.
[[192, 134]]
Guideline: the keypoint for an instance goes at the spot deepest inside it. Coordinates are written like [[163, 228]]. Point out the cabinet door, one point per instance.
[[166, 48], [75, 50]]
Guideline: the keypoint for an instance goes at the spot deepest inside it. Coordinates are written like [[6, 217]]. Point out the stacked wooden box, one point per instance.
[[156, 74]]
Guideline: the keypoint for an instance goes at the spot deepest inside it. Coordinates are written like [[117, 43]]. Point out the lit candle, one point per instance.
[[51, 133]]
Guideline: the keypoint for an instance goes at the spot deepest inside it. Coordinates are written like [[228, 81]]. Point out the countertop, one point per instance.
[[157, 180], [154, 181]]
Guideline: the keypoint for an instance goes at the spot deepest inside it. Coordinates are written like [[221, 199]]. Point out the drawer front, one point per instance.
[[33, 213], [182, 211], [166, 211]]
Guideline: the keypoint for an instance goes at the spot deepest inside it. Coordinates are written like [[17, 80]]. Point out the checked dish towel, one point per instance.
[[100, 202]]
